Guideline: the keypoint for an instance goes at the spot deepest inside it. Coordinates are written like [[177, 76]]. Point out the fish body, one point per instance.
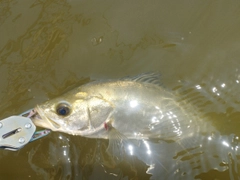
[[135, 108]]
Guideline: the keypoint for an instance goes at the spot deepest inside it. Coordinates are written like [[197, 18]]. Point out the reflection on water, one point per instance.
[[75, 157], [47, 46]]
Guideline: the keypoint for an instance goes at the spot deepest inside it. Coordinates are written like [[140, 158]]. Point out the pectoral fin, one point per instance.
[[118, 144]]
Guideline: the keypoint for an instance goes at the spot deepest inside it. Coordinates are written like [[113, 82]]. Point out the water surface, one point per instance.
[[48, 47]]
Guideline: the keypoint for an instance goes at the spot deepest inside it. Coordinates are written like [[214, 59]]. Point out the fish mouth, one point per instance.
[[40, 120]]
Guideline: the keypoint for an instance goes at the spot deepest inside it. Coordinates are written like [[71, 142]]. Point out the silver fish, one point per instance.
[[129, 108]]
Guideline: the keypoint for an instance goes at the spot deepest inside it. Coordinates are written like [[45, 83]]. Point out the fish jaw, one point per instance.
[[41, 120]]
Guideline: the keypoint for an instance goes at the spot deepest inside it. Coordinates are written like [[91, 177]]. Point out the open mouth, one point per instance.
[[40, 120]]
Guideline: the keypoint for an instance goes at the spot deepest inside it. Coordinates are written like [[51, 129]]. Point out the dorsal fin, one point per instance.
[[151, 77]]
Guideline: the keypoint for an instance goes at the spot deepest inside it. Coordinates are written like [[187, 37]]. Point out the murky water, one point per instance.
[[50, 46]]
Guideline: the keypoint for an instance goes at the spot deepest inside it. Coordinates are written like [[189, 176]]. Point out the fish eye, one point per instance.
[[63, 109]]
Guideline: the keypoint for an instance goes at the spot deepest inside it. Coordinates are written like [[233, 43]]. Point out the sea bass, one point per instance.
[[129, 108]]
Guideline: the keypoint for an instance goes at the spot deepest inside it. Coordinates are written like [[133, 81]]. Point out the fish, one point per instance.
[[138, 108]]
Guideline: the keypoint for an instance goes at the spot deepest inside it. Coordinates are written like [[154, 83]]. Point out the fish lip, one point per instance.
[[39, 119]]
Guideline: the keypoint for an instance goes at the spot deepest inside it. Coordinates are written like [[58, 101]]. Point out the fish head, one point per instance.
[[73, 113]]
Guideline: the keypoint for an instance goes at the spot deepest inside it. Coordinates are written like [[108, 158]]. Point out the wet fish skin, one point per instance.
[[134, 108]]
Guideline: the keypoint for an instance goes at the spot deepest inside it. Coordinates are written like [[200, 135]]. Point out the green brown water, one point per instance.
[[48, 47]]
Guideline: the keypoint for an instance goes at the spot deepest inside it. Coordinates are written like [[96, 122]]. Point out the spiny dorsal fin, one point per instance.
[[151, 77]]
